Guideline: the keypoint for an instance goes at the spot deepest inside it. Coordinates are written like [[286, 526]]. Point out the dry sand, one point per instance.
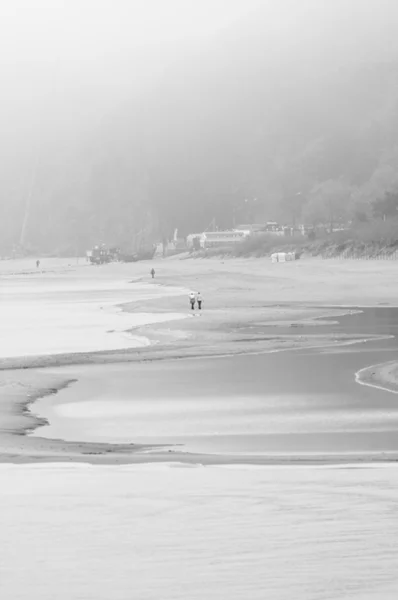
[[76, 532], [242, 299]]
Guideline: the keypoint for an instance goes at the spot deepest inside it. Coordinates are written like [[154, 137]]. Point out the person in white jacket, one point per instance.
[[192, 300], [199, 300]]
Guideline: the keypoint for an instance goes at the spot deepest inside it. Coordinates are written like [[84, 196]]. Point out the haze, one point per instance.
[[216, 91], [74, 29]]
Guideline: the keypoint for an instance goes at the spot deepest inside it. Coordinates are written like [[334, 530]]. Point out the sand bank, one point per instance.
[[66, 314], [383, 376], [20, 389], [248, 309]]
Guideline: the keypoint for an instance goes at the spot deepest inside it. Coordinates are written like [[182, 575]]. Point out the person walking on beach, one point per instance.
[[199, 300], [192, 300], [153, 273], [37, 264]]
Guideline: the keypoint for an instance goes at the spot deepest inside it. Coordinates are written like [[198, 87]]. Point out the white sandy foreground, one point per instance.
[[184, 533], [43, 314]]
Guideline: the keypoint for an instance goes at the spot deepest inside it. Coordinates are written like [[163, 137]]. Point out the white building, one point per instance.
[[224, 238]]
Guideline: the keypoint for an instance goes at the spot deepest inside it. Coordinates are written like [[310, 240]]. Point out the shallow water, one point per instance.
[[56, 315], [288, 402], [122, 533]]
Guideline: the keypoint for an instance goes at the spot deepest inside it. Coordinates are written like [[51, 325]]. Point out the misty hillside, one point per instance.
[[297, 115]]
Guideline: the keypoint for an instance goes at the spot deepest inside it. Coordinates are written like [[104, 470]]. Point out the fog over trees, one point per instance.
[[285, 111]]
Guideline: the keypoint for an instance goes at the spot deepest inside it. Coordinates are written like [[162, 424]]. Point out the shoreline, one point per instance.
[[238, 323], [179, 339], [31, 399], [112, 454], [382, 376], [164, 353]]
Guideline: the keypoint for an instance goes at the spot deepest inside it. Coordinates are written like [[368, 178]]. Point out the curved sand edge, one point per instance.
[[18, 391], [253, 345], [252, 293], [223, 331], [383, 376], [219, 332], [21, 388]]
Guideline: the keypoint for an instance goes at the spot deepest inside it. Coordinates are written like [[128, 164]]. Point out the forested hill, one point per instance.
[[289, 119]]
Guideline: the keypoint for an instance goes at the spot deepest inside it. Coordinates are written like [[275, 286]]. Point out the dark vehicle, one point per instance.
[[100, 255]]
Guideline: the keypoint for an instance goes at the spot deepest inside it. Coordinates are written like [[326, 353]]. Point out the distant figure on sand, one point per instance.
[[192, 300], [199, 300], [153, 273], [37, 264]]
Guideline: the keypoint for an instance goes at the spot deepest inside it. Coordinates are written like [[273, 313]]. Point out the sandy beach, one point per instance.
[[231, 454], [200, 403], [250, 307], [176, 533]]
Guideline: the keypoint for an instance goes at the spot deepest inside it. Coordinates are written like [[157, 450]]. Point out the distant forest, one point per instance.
[[248, 126]]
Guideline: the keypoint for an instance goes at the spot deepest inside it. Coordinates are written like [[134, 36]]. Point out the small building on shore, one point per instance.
[[224, 238], [212, 239]]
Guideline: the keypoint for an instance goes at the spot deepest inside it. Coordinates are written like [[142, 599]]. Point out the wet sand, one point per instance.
[[269, 406], [236, 323], [382, 376]]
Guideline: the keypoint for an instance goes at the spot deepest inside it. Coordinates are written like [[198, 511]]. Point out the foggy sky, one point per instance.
[[66, 64], [81, 29]]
